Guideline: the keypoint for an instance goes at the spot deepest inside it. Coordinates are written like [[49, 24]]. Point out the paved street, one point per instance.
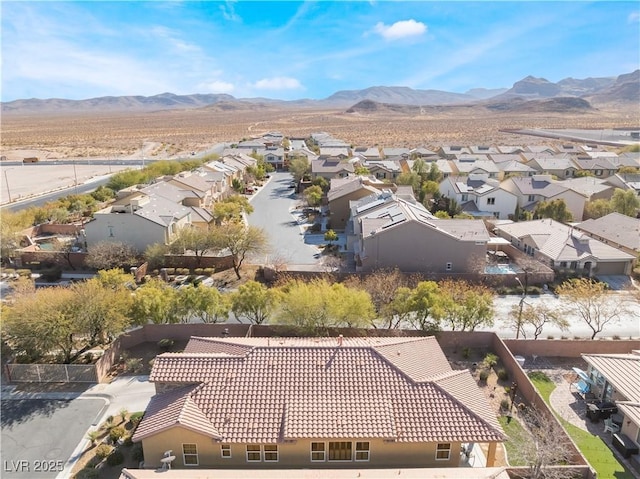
[[272, 212], [39, 435]]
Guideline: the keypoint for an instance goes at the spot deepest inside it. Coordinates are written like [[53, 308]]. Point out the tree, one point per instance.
[[313, 195], [410, 178], [537, 316], [195, 240], [154, 302], [203, 303], [232, 209], [237, 185], [554, 209], [398, 310], [597, 208], [381, 286], [322, 182], [361, 170], [253, 301], [155, 254], [464, 305], [541, 444], [589, 299], [298, 167], [318, 305], [423, 298], [330, 236], [240, 241], [625, 202], [111, 254]]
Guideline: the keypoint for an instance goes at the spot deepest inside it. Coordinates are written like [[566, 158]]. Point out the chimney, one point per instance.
[[340, 340]]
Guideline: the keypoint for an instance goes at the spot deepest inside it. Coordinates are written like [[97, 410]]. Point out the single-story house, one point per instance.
[[615, 229], [313, 403]]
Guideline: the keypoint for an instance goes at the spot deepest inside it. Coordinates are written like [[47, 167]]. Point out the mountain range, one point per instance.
[[594, 91]]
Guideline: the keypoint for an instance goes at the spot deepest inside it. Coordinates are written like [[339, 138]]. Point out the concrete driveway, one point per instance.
[[274, 208], [39, 435]]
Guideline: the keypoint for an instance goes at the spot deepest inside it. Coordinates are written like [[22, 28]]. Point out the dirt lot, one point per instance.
[[169, 133]]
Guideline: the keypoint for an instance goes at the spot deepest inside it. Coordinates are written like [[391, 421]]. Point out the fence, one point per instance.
[[52, 373]]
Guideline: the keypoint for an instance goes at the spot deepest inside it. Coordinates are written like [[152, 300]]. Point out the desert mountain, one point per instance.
[[620, 90]]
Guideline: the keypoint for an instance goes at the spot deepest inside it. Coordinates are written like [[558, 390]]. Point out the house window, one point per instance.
[[531, 198], [443, 451], [340, 451], [449, 266], [598, 172], [190, 454], [563, 264], [496, 214], [270, 453], [491, 201], [225, 451], [253, 453], [317, 451], [574, 265], [362, 451], [464, 198]]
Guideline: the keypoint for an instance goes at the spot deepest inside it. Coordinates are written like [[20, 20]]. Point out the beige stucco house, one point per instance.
[[313, 403], [343, 191]]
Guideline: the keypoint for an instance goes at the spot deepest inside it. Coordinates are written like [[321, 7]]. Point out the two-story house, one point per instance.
[[480, 196]]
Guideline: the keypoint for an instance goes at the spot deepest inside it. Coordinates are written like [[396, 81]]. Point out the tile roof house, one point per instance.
[[598, 167], [468, 165], [390, 232], [589, 187], [616, 378], [329, 169], [559, 166], [314, 403], [532, 189], [626, 181], [384, 169], [615, 229], [565, 248]]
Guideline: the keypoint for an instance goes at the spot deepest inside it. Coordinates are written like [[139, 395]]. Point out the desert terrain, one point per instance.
[[173, 133]]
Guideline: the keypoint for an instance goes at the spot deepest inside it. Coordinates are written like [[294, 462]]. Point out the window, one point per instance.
[[253, 453], [190, 454], [563, 264], [491, 201], [531, 198], [362, 451], [598, 172], [449, 266], [225, 451], [340, 451], [270, 453], [464, 198], [317, 451], [443, 451]]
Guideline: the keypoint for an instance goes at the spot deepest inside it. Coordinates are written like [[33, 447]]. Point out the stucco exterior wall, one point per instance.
[[340, 210], [292, 454], [414, 247], [126, 228]]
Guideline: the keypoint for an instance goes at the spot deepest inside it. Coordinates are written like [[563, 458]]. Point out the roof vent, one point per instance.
[[340, 338]]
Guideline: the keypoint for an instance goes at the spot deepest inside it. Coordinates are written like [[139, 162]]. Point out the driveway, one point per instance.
[[274, 208], [39, 435]]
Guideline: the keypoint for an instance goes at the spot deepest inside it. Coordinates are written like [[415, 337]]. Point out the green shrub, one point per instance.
[[133, 365], [503, 375], [165, 344], [137, 454], [116, 458], [484, 374], [103, 450], [116, 433], [504, 404], [490, 360], [208, 271], [24, 272], [198, 271]]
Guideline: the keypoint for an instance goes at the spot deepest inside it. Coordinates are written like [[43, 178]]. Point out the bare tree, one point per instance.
[[111, 254], [536, 316], [541, 445]]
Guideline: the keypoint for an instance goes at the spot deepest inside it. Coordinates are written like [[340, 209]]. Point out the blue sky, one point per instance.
[[292, 50]]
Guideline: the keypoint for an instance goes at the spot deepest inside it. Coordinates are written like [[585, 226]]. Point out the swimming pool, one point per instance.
[[502, 269]]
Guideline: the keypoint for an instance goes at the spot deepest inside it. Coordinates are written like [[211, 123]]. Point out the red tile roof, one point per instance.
[[271, 389]]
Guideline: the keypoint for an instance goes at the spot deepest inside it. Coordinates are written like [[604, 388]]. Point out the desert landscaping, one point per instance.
[[174, 133]]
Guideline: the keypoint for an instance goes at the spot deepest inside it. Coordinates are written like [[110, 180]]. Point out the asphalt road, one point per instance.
[[39, 435], [272, 211]]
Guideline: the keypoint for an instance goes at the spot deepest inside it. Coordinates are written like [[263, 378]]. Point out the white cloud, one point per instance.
[[278, 83], [217, 86], [401, 29], [634, 17]]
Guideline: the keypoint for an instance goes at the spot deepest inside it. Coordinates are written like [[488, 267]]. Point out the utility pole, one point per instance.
[[524, 294], [7, 180], [75, 174]]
